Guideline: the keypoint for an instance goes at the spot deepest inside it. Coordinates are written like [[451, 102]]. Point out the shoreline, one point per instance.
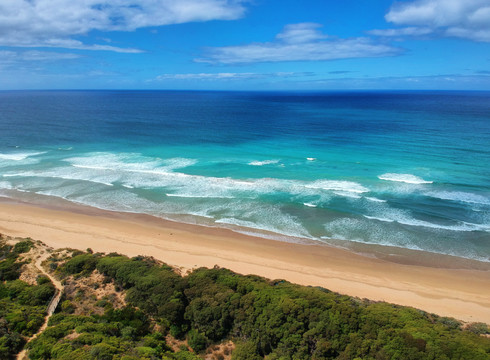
[[447, 287]]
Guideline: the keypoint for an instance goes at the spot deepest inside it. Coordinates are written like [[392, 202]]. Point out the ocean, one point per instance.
[[403, 170]]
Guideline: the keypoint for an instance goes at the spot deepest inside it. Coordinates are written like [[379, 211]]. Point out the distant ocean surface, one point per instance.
[[404, 169]]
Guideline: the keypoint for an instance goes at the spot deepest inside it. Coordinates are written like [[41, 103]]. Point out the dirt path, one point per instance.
[[52, 305]]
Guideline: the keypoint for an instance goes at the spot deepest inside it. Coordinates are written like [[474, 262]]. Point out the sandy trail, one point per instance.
[[52, 304]]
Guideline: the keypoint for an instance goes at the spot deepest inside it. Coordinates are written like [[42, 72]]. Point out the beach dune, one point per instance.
[[459, 291]]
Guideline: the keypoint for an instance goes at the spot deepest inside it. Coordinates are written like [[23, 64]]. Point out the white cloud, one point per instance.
[[476, 35], [299, 42], [53, 23], [406, 31], [301, 33], [469, 19], [229, 76]]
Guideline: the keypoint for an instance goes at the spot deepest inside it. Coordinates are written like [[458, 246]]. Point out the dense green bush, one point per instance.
[[23, 246], [22, 306], [197, 340], [284, 321], [80, 263], [266, 319], [9, 264], [246, 351]]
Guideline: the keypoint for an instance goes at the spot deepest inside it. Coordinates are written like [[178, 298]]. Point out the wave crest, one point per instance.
[[405, 178], [263, 162], [20, 156]]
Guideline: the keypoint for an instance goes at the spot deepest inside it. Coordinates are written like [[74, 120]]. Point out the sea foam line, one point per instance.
[[225, 186], [51, 176], [20, 156], [465, 226], [262, 163], [200, 196], [310, 205], [378, 218], [337, 185], [405, 178], [128, 162], [405, 246], [375, 199], [298, 232], [460, 196]]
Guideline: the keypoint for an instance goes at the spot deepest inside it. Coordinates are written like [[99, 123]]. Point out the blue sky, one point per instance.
[[245, 44]]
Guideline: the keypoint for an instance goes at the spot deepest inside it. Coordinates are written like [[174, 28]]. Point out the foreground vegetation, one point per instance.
[[263, 318], [22, 306]]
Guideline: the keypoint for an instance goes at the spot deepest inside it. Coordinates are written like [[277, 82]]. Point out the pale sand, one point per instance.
[[460, 293]]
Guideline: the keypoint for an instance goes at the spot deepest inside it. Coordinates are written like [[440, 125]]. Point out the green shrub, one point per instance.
[[478, 328], [197, 341], [42, 279], [245, 351], [23, 246], [67, 307], [77, 264]]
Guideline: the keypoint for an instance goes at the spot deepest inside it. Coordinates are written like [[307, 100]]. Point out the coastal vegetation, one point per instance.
[[115, 307], [22, 305]]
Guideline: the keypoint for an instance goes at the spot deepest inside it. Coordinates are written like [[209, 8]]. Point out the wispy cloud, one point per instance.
[[230, 76], [301, 33], [54, 23], [430, 82], [467, 19], [340, 72], [13, 58], [299, 42], [406, 31]]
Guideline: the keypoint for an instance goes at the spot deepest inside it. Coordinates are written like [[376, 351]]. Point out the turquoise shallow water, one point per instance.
[[409, 170]]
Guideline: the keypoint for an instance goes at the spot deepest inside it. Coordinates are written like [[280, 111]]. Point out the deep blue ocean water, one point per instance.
[[403, 169]]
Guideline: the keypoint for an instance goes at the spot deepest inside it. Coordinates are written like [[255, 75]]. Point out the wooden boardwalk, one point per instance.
[[53, 304]]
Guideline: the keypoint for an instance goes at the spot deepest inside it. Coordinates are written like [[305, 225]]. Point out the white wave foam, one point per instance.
[[378, 218], [337, 185], [460, 197], [193, 196], [380, 243], [5, 185], [363, 231], [295, 230], [178, 163], [263, 162], [180, 184], [401, 217], [13, 175], [382, 212], [464, 226], [19, 156], [405, 178], [309, 205], [375, 199], [129, 162], [350, 195], [136, 171], [64, 175], [310, 158], [203, 214]]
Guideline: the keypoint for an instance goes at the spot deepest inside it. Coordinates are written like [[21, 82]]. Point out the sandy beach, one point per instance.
[[460, 290]]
